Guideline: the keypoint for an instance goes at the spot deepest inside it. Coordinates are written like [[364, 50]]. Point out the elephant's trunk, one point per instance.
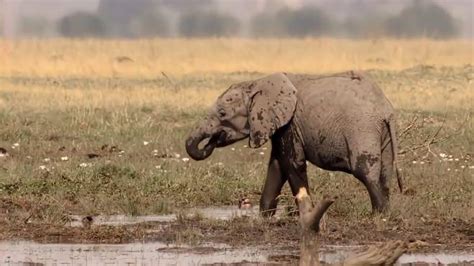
[[192, 146]]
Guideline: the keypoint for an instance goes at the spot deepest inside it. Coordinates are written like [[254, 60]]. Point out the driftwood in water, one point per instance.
[[310, 217], [384, 254]]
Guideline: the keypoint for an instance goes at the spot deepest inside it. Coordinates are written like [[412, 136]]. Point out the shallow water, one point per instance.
[[218, 213], [21, 252], [27, 253]]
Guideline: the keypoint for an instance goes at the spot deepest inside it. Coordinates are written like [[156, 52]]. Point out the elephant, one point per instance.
[[338, 122]]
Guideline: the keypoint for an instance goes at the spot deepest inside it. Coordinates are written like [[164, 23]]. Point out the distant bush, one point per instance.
[[363, 27], [207, 23], [266, 24], [307, 21], [34, 26], [81, 24], [150, 24], [121, 17], [422, 18]]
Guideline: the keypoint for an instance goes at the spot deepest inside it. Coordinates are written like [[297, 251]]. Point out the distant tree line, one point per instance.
[[308, 21], [420, 19], [145, 18]]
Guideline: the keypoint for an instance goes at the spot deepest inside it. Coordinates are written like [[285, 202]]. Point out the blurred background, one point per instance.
[[438, 19]]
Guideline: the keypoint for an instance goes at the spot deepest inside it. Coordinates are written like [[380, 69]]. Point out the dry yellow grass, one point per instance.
[[98, 58], [420, 94], [180, 59], [31, 98]]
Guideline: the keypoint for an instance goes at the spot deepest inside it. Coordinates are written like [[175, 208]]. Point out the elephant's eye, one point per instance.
[[221, 112]]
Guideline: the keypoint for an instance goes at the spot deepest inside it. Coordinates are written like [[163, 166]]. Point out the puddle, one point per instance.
[[218, 213], [29, 253]]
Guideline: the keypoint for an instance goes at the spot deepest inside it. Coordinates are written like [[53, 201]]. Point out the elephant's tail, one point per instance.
[[394, 143]]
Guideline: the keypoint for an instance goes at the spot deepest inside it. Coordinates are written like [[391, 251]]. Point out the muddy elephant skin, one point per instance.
[[341, 122]]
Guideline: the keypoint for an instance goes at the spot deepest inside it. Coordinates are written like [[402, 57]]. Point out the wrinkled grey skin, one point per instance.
[[341, 122]]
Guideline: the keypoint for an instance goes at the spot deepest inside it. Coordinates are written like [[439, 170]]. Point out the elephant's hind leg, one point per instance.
[[367, 168], [388, 168]]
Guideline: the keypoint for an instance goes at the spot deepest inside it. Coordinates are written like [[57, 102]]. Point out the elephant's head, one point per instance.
[[254, 109]]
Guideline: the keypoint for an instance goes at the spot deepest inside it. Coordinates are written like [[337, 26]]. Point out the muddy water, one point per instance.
[[28, 253]]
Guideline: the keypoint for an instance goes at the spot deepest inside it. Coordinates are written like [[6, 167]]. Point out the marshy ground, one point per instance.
[[108, 138]]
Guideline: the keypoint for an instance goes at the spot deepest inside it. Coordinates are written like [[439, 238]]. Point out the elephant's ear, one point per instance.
[[272, 105]]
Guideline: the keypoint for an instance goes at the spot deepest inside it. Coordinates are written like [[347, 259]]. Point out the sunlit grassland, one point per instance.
[[111, 58], [61, 100]]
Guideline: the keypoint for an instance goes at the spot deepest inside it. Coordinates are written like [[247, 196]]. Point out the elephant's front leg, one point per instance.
[[298, 180], [272, 188], [293, 163], [287, 162], [297, 177], [279, 171]]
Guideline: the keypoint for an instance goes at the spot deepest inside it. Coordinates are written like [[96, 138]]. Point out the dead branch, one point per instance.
[[408, 128], [414, 127], [310, 216], [384, 254], [427, 142], [173, 84]]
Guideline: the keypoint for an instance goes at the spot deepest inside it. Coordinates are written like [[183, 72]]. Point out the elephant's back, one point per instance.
[[348, 93], [332, 111]]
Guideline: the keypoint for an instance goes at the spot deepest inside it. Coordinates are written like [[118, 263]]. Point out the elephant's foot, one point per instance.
[[268, 207], [378, 199], [379, 208]]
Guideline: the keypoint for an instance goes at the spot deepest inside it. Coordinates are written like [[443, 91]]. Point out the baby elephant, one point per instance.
[[340, 122]]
